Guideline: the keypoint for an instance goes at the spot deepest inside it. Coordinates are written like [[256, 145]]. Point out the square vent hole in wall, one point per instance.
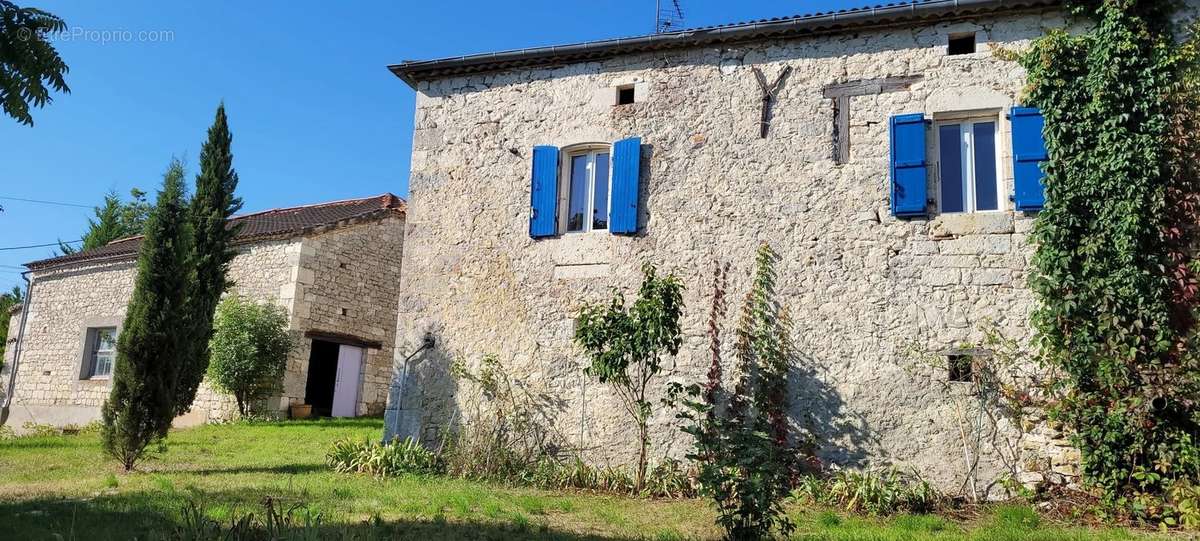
[[625, 95], [962, 365], [961, 44], [959, 367]]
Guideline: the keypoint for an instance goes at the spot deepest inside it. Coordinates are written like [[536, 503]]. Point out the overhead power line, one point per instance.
[[7, 248], [42, 202]]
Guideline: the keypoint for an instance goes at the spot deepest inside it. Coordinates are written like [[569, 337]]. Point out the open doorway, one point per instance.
[[334, 376], [322, 377]]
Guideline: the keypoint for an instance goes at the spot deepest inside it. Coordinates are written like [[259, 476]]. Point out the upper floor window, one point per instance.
[[588, 174], [585, 187], [968, 166], [963, 162], [102, 343]]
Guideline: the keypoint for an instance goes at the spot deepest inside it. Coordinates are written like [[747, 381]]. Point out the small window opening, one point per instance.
[[960, 367], [341, 265], [345, 312], [625, 95], [962, 44]]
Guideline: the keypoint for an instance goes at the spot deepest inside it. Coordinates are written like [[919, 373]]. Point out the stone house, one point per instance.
[[334, 267], [883, 152]]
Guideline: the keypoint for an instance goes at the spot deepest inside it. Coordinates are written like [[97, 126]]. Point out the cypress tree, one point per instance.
[[211, 206], [114, 220], [141, 406]]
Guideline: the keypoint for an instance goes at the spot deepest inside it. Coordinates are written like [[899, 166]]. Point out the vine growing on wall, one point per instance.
[[1114, 268], [744, 456]]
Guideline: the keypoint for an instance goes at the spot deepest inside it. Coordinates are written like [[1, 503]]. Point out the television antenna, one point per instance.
[[668, 16]]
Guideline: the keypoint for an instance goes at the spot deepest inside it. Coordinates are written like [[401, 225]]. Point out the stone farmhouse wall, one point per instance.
[[862, 286], [295, 273], [348, 283]]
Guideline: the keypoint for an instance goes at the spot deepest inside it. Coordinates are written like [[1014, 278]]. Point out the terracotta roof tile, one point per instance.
[[275, 223]]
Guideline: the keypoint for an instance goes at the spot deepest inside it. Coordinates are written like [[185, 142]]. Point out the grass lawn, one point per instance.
[[64, 485]]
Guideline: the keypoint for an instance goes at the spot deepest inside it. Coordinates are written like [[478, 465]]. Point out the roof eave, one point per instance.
[[414, 72], [56, 263]]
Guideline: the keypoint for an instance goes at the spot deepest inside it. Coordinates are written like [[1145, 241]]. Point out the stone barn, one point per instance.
[[334, 267], [884, 153]]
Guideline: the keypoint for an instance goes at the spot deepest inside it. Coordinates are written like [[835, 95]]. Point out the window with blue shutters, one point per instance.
[[1029, 155], [908, 191], [586, 187]]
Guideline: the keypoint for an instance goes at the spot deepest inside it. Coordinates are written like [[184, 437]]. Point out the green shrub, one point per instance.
[[381, 459], [743, 449], [249, 350], [874, 492], [626, 346], [508, 440], [506, 435]]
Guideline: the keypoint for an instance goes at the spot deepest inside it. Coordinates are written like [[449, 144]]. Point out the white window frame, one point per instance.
[[966, 125], [94, 353], [591, 150]]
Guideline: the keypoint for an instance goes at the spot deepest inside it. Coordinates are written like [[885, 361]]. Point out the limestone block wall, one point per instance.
[[62, 306], [263, 271], [862, 286], [347, 283], [66, 302]]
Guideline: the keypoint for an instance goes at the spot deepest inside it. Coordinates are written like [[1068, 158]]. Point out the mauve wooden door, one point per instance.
[[345, 389]]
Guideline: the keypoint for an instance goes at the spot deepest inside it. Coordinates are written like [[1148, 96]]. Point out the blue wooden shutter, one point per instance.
[[1029, 151], [543, 197], [908, 165], [626, 171]]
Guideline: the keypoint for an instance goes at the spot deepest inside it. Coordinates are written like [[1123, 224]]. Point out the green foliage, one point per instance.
[[1113, 268], [250, 346], [8, 301], [879, 492], [140, 408], [626, 345], [507, 438], [505, 434], [212, 204], [299, 522], [381, 459], [764, 352], [742, 447], [667, 479], [114, 220], [28, 61]]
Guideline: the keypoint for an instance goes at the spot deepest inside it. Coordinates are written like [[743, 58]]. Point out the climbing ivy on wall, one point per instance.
[[1113, 270]]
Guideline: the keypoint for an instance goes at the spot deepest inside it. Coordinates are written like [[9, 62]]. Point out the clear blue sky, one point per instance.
[[315, 114]]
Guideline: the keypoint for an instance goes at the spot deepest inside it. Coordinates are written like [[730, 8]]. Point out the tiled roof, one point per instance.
[[895, 13], [268, 224]]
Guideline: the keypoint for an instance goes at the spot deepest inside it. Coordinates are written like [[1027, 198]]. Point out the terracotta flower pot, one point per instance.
[[301, 411]]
